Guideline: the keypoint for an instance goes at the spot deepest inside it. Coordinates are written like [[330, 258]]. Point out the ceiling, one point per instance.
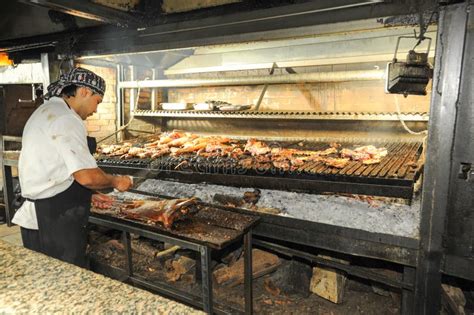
[[98, 27]]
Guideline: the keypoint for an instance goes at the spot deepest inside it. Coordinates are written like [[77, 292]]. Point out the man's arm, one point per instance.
[[95, 178]]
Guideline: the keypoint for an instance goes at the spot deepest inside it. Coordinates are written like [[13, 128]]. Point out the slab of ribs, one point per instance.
[[165, 212], [253, 154]]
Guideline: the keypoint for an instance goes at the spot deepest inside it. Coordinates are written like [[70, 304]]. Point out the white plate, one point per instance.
[[174, 106]]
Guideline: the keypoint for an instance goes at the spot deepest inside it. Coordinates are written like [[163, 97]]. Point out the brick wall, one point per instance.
[[102, 123]]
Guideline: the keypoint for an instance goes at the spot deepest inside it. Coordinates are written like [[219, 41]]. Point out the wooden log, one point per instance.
[[262, 263], [455, 299], [328, 283], [168, 251], [144, 248], [293, 277], [179, 267]]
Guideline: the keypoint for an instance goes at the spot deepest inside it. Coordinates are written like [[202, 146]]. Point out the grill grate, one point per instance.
[[398, 170]]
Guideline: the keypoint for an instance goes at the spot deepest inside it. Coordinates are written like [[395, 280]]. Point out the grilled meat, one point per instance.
[[165, 212], [256, 147], [368, 154], [254, 154], [336, 162]]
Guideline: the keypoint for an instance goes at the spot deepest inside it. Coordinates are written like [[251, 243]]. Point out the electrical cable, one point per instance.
[[399, 115]]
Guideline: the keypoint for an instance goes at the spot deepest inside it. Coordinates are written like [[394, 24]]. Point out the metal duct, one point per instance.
[[339, 76]]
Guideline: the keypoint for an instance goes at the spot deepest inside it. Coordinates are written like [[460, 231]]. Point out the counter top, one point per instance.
[[31, 282]]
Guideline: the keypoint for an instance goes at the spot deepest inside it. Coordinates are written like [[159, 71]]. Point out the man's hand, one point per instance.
[[102, 201], [122, 183]]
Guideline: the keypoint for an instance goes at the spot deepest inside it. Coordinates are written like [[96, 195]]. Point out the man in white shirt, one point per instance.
[[57, 171]]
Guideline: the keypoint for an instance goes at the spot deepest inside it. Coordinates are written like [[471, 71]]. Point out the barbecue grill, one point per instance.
[[394, 176], [443, 240]]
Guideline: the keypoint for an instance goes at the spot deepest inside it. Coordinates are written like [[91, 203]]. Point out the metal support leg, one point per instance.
[[128, 253], [408, 296], [8, 193], [206, 279], [248, 273]]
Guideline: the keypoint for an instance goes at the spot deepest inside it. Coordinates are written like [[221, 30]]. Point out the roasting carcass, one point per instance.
[[165, 212]]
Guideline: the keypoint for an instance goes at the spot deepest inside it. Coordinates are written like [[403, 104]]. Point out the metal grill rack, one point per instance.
[[394, 176], [305, 115]]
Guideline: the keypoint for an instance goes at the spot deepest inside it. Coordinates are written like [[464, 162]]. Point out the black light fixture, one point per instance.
[[409, 77]]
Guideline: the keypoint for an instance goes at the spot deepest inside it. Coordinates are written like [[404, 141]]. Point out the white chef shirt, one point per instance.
[[54, 146]]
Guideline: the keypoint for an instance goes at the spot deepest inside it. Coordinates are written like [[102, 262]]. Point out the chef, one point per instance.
[[57, 171]]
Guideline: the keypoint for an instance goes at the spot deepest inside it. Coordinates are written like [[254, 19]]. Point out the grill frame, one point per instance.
[[392, 177]]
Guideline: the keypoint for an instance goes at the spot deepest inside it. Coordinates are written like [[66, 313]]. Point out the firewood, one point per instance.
[[144, 248], [293, 278], [262, 263], [455, 298], [328, 283], [168, 251], [115, 244], [179, 267], [271, 287]]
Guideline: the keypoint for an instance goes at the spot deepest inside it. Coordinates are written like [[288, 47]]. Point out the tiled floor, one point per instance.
[[10, 234]]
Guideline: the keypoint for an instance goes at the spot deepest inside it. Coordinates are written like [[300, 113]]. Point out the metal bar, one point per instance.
[[460, 267], [382, 169], [153, 91], [45, 68], [144, 233], [371, 186], [352, 270], [133, 74], [248, 273], [284, 115], [408, 296], [265, 15], [128, 253], [410, 161], [265, 87], [403, 160], [11, 138], [343, 240], [452, 29], [7, 186], [169, 291], [206, 280], [89, 10], [339, 76], [119, 100]]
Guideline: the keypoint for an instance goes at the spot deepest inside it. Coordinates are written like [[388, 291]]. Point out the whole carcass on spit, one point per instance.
[[163, 211]]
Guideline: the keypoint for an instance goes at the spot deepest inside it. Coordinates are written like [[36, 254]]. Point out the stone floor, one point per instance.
[[10, 234]]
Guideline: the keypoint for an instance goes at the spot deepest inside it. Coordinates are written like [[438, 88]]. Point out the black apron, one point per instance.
[[63, 219]]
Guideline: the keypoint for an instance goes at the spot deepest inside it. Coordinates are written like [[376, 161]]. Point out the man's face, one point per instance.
[[89, 102]]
